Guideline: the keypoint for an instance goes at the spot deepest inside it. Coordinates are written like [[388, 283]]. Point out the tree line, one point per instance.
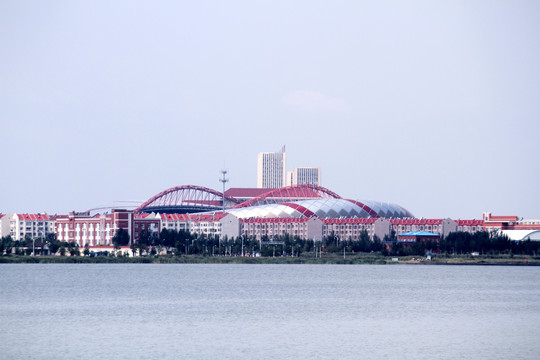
[[41, 246], [185, 243]]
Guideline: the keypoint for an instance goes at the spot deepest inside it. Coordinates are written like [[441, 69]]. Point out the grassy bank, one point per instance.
[[365, 258]]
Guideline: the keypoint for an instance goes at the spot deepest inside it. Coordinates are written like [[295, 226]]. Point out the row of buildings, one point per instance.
[[95, 230], [284, 203]]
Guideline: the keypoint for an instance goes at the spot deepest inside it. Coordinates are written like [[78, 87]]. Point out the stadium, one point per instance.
[[297, 201]]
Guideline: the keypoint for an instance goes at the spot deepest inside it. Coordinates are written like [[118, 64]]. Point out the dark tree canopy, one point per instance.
[[121, 238]]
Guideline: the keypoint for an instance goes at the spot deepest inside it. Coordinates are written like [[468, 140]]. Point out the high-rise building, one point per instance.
[[289, 179], [271, 172], [306, 175]]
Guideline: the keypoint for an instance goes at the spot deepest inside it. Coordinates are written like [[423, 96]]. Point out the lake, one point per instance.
[[151, 311]]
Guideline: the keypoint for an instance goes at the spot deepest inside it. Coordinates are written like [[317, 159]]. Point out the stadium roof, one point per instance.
[[322, 208], [296, 201], [519, 235]]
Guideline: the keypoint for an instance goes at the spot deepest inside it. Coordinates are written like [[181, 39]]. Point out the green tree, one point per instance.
[[74, 250], [7, 245], [418, 248], [377, 244], [364, 242], [54, 246], [120, 238], [396, 249], [143, 241]]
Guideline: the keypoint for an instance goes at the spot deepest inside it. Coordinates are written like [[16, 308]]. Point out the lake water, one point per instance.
[[144, 311]]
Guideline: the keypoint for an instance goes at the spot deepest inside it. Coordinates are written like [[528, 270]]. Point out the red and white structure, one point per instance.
[[350, 229], [95, 230], [304, 228], [470, 226], [495, 223], [31, 226]]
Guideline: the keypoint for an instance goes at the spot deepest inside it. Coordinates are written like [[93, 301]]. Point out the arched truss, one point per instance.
[[186, 199], [290, 193]]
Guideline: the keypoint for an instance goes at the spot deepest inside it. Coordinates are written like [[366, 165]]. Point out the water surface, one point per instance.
[[150, 311]]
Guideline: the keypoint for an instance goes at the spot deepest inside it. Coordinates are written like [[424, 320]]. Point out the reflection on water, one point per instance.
[[145, 311]]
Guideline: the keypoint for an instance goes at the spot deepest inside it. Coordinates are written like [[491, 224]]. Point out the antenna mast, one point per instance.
[[223, 180]]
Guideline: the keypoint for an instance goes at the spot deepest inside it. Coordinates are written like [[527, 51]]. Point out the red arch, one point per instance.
[[290, 193], [186, 195]]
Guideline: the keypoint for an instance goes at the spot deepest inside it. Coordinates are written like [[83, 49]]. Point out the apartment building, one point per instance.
[[31, 226], [271, 173]]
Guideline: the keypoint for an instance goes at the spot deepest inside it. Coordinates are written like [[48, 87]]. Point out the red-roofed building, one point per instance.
[[495, 223], [350, 228], [470, 226], [439, 226], [178, 222], [30, 226], [305, 228], [208, 224], [95, 230]]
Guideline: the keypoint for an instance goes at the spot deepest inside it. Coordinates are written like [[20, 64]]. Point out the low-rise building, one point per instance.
[[511, 222], [177, 222], [470, 226], [95, 230], [439, 226], [4, 224], [351, 228], [304, 228], [30, 226]]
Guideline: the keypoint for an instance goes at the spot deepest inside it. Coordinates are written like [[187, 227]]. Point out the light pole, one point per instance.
[[223, 180]]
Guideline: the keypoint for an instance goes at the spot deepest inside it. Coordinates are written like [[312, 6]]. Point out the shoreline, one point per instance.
[[362, 259]]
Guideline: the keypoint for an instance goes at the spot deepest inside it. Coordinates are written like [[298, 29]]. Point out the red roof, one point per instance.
[[416, 221], [175, 217], [208, 217], [33, 217], [274, 220], [350, 221], [245, 192], [502, 218], [473, 222]]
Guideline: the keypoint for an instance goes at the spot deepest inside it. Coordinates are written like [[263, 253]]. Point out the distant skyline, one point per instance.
[[434, 106]]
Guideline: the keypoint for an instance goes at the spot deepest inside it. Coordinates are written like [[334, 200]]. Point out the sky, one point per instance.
[[433, 105]]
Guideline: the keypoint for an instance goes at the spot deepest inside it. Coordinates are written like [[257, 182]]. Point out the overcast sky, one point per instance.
[[433, 105]]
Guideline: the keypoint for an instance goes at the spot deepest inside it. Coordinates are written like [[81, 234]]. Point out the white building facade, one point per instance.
[[99, 230], [31, 226], [271, 173], [4, 224], [306, 175]]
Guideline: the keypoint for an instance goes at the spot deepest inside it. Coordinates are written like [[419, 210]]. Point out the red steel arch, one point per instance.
[[187, 195], [290, 193]]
